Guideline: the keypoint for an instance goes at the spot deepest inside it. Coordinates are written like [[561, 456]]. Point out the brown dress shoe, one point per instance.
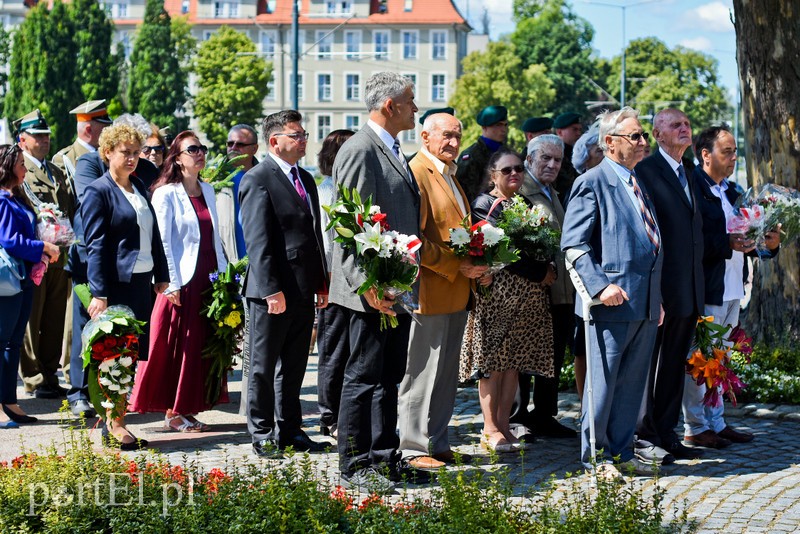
[[424, 463], [736, 436], [708, 439], [449, 457]]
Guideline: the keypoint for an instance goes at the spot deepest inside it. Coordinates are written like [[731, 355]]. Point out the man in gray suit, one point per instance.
[[611, 237], [371, 163]]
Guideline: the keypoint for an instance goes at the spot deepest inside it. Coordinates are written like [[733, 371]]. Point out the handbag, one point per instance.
[[12, 272]]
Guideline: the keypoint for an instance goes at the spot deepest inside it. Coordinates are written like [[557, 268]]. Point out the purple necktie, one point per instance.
[[298, 185]]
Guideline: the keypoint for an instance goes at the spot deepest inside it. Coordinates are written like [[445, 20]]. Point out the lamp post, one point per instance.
[[295, 53], [623, 8]]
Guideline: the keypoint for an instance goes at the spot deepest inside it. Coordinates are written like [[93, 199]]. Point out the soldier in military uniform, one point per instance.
[[44, 182], [534, 127], [472, 161], [569, 128]]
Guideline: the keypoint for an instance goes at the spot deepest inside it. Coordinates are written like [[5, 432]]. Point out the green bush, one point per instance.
[[84, 491], [772, 374]]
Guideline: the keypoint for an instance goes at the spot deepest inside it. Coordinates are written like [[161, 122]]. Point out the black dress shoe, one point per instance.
[[82, 408], [551, 428], [18, 418], [302, 443], [267, 448], [46, 392], [679, 450]]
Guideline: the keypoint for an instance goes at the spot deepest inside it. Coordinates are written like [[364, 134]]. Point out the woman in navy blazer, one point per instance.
[[174, 380], [18, 238], [123, 245]]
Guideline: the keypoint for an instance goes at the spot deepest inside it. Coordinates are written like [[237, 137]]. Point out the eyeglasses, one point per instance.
[[296, 136], [232, 144], [634, 136], [505, 171], [193, 150], [146, 149]]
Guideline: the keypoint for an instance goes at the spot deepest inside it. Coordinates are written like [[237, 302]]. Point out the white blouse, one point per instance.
[[145, 220]]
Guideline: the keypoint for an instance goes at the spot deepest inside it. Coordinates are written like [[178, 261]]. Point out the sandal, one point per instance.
[[199, 425], [179, 423]]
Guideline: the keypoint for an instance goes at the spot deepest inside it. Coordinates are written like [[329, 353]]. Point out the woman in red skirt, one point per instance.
[[173, 379]]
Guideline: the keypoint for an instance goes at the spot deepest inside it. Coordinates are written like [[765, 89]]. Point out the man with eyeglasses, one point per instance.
[[681, 223], [286, 275], [242, 141], [611, 237]]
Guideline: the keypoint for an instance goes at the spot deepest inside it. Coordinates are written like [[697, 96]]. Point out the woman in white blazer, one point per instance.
[[173, 379]]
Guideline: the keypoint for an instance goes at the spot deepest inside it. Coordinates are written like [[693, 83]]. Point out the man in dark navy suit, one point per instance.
[[287, 272]]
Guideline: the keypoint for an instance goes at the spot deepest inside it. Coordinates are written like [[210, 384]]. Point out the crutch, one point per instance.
[[572, 256]]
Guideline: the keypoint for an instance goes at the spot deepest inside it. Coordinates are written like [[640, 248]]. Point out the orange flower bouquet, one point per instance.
[[709, 362]]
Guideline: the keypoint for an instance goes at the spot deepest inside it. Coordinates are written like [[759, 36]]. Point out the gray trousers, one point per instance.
[[428, 389]]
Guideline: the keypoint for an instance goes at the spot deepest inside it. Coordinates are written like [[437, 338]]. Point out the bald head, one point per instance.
[[441, 136], [673, 132]]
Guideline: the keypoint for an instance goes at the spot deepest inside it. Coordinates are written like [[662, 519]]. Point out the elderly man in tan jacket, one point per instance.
[[444, 289]]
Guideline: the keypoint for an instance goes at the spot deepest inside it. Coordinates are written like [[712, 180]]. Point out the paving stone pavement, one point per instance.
[[751, 487]]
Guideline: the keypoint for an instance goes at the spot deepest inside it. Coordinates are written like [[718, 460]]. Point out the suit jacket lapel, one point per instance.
[[622, 201], [441, 182], [284, 182], [388, 154], [672, 179], [39, 174]]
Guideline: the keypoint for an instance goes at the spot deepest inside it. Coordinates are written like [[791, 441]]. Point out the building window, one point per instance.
[[408, 5], [438, 87], [226, 10], [352, 87], [352, 122], [412, 77], [352, 43], [117, 9], [410, 39], [438, 45], [410, 136], [271, 88], [381, 40], [324, 88], [324, 43], [207, 34], [339, 7], [125, 39], [301, 91], [184, 7], [268, 40], [323, 127]]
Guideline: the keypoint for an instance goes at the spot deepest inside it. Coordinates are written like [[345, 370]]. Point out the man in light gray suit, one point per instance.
[[611, 236], [371, 163]]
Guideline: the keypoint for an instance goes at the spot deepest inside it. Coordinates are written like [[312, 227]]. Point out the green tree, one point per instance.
[[96, 66], [5, 57], [232, 83], [156, 83], [498, 76], [43, 61], [549, 33], [658, 77], [185, 49]]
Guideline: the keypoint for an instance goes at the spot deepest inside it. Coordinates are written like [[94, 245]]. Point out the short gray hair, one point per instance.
[[432, 121], [137, 122], [244, 128], [539, 142], [382, 86], [610, 121], [580, 152]]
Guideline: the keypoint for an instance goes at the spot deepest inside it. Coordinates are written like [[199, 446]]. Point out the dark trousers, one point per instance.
[[278, 358], [77, 378], [545, 391], [333, 341], [14, 313], [661, 405], [368, 412]]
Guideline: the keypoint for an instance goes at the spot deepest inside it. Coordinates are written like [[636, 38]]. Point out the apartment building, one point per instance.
[[342, 42]]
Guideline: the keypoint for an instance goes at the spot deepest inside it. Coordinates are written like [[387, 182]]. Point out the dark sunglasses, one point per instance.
[[634, 136], [505, 171], [232, 144], [146, 149], [192, 150]]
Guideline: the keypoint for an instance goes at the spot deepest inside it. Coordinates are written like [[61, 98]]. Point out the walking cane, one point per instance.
[[572, 256]]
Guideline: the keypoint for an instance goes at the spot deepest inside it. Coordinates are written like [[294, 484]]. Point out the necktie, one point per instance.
[[649, 223], [47, 172], [684, 183], [298, 185], [396, 149]]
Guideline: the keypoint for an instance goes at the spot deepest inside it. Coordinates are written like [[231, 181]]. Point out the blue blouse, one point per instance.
[[18, 229]]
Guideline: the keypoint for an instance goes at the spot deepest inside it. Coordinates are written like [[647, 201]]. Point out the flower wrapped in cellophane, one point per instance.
[[387, 258], [224, 309], [110, 350], [529, 229], [757, 213], [484, 244], [52, 226], [709, 362]]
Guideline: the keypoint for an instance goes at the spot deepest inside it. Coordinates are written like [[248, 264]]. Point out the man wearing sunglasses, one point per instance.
[[681, 224], [611, 237]]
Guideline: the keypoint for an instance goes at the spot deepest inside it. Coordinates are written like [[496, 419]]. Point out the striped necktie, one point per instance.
[[647, 217]]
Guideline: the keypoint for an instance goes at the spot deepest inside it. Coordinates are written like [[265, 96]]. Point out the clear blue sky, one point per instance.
[[703, 25]]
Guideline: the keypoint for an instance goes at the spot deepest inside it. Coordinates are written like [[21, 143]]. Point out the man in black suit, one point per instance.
[[280, 221], [681, 227]]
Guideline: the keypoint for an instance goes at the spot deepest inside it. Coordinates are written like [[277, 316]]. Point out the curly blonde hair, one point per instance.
[[116, 134]]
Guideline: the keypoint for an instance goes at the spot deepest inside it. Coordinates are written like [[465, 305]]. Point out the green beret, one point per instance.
[[537, 124], [492, 115], [434, 111], [566, 119]]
